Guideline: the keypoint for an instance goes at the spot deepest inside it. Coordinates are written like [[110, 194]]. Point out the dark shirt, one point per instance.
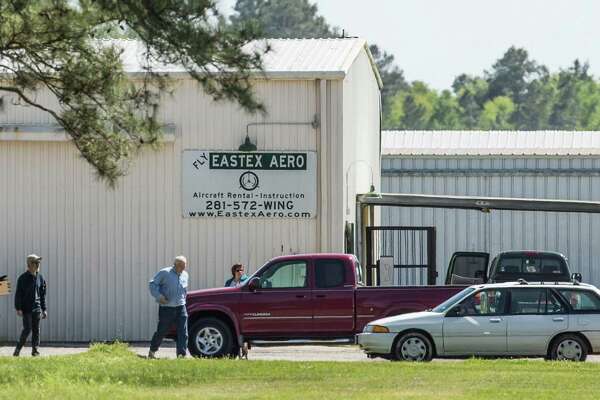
[[31, 293], [243, 279]]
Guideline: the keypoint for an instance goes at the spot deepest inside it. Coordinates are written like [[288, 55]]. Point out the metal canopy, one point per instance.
[[366, 202], [477, 203]]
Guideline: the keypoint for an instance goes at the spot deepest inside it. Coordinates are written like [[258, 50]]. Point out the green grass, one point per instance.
[[113, 372]]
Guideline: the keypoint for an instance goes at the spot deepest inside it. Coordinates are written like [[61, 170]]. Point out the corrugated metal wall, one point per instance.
[[101, 247], [573, 178], [361, 123]]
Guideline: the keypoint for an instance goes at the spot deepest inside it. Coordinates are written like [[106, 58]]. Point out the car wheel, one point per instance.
[[568, 348], [413, 346], [210, 337]]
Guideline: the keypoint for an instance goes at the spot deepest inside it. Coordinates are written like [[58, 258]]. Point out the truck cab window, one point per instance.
[[329, 273], [290, 274], [533, 268]]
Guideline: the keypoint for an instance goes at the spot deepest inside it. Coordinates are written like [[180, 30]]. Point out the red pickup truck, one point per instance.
[[299, 297]]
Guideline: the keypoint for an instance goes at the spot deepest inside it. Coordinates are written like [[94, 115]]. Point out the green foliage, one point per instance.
[[516, 94], [300, 19], [282, 19], [537, 104], [471, 95], [52, 44], [414, 107], [391, 76], [446, 112], [511, 74], [497, 113], [112, 372], [575, 88]]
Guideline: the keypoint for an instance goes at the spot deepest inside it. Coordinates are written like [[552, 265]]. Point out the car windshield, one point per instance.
[[453, 300]]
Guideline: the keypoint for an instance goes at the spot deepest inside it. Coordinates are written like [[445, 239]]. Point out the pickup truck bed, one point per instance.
[[377, 302]]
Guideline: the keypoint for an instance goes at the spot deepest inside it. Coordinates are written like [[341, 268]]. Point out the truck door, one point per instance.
[[467, 268], [333, 297], [282, 303]]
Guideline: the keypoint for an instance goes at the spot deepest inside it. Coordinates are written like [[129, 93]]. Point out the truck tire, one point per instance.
[[210, 337], [568, 347], [413, 346]]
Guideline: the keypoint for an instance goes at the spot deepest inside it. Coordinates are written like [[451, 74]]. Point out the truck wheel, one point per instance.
[[210, 337], [568, 347], [413, 346]]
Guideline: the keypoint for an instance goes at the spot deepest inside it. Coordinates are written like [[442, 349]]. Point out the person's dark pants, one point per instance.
[[167, 317], [31, 324]]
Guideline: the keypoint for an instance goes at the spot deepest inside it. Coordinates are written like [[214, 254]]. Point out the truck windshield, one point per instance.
[[453, 300]]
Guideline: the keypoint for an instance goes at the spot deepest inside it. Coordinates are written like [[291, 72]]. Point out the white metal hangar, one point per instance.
[[541, 164], [198, 195]]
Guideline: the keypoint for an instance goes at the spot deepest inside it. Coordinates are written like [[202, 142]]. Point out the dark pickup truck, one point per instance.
[[470, 268], [308, 297], [321, 297]]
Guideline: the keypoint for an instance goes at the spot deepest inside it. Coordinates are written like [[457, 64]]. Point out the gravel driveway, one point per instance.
[[292, 353], [289, 353]]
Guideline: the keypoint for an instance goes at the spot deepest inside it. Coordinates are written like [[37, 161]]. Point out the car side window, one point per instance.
[[485, 302], [581, 300], [553, 304], [330, 273], [288, 275], [528, 301]]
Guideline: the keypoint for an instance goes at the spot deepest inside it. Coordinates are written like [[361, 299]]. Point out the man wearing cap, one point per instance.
[[30, 303], [169, 288]]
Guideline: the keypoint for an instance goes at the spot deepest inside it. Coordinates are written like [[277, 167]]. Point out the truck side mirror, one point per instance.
[[254, 284], [576, 277]]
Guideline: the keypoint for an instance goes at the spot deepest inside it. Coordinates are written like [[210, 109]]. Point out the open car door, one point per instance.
[[467, 268]]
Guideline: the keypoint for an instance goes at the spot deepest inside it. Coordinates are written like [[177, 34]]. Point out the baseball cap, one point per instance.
[[33, 258]]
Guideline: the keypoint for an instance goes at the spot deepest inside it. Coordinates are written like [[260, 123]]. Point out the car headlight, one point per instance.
[[380, 329], [376, 329]]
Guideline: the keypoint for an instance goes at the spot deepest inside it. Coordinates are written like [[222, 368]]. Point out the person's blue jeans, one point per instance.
[[167, 317]]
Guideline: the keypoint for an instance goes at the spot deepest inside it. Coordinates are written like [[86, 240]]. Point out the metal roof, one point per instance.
[[287, 59], [482, 143]]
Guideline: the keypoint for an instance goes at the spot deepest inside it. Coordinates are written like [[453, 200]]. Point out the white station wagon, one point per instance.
[[558, 321]]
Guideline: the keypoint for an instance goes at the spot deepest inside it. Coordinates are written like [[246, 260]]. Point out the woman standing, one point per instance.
[[238, 276]]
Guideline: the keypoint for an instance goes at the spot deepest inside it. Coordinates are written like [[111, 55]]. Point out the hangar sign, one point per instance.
[[227, 184]]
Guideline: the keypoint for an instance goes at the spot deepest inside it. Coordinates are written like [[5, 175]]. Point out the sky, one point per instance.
[[435, 40]]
